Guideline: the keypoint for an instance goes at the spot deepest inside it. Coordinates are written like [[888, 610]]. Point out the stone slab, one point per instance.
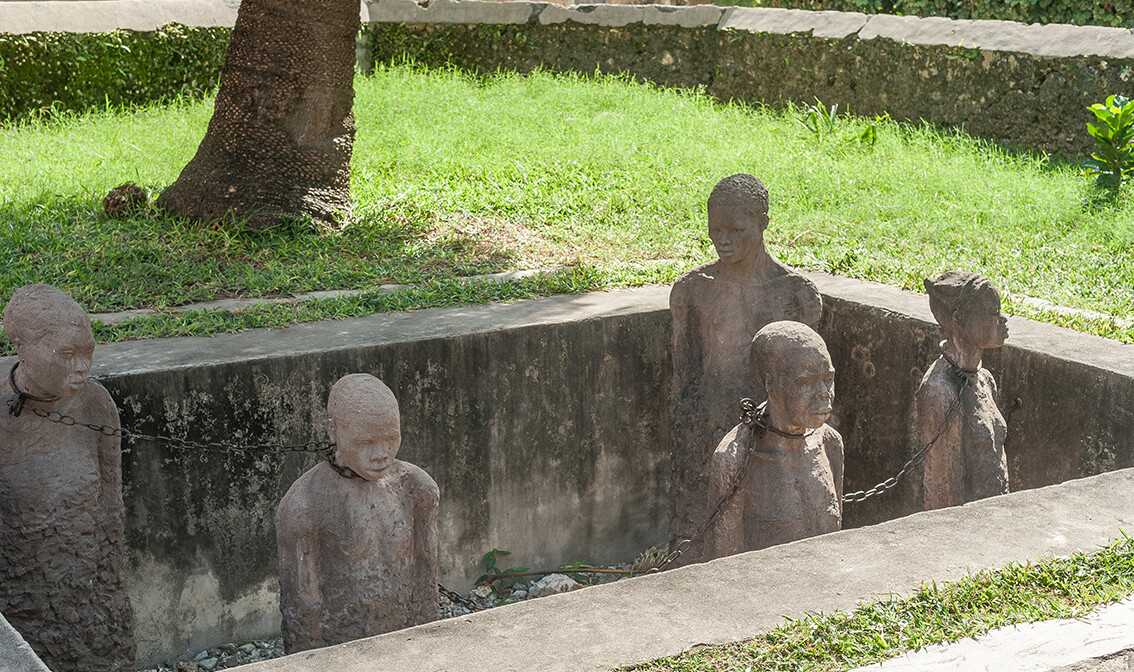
[[1058, 40], [827, 24], [448, 11], [15, 654], [103, 16], [1031, 647], [694, 16], [610, 16], [739, 597]]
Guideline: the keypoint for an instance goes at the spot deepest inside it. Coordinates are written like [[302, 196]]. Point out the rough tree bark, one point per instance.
[[279, 143]]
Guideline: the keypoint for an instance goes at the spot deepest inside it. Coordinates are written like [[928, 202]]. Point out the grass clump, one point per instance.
[[1047, 589], [596, 174]]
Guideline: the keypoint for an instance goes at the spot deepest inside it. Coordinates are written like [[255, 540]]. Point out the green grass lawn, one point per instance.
[[456, 176], [1049, 588]]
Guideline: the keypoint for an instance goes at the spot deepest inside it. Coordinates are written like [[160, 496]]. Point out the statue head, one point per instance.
[[364, 422], [738, 215], [967, 307], [53, 340], [792, 362]]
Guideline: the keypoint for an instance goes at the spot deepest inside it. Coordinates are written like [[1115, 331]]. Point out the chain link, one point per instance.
[[755, 418], [919, 456], [456, 598], [176, 442]]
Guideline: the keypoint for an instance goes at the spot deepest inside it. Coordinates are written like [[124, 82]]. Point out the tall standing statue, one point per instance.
[[717, 309], [956, 400], [779, 473], [61, 512], [357, 534]]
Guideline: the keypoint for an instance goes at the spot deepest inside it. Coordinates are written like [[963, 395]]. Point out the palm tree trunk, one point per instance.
[[279, 143]]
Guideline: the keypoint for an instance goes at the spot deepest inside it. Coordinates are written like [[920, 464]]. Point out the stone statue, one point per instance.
[[717, 309], [357, 534], [780, 472], [957, 398], [61, 512]]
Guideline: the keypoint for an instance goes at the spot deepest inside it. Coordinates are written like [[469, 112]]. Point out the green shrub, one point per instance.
[[45, 73], [1113, 158]]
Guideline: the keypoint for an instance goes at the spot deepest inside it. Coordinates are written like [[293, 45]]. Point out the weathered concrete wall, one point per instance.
[[543, 423], [1018, 85], [739, 597], [1074, 418]]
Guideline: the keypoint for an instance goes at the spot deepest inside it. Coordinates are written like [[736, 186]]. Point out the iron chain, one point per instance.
[[177, 442], [919, 456], [755, 417]]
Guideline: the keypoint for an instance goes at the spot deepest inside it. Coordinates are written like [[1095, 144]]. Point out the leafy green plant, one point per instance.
[[492, 571], [1113, 158], [869, 135], [821, 120]]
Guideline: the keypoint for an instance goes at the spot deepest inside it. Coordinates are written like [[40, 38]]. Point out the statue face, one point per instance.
[[736, 235], [368, 442], [801, 394], [981, 323], [57, 364]]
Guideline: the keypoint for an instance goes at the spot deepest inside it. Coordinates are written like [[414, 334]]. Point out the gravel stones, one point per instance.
[[552, 584], [224, 657]]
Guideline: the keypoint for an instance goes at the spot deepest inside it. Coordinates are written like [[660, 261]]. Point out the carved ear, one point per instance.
[[768, 380], [331, 429]]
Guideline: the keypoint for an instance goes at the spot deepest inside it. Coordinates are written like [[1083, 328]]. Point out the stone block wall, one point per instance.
[[1022, 86]]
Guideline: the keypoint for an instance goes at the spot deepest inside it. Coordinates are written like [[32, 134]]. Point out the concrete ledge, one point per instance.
[[737, 598], [15, 654]]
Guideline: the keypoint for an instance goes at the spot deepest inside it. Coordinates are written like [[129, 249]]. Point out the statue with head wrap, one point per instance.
[[717, 308], [357, 534], [956, 400], [779, 473], [61, 512]]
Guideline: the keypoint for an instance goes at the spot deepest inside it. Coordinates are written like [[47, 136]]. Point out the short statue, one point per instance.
[[956, 400], [779, 473], [61, 512], [357, 534], [717, 309]]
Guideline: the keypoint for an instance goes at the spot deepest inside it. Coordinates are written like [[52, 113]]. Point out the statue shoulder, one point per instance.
[[807, 298], [937, 386], [422, 483], [691, 282], [830, 436], [96, 401], [311, 486], [734, 446]]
